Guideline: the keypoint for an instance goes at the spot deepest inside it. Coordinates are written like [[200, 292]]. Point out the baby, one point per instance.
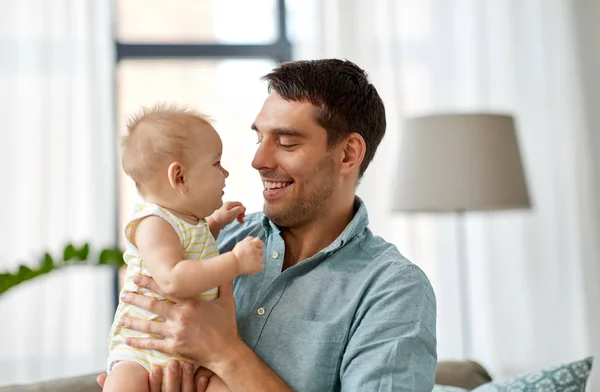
[[173, 156]]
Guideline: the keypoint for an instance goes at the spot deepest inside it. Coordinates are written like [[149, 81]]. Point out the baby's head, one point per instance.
[[174, 157]]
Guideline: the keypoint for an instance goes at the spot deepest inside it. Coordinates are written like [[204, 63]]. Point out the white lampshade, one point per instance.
[[459, 162]]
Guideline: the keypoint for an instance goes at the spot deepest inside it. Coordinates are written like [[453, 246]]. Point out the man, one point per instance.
[[336, 308]]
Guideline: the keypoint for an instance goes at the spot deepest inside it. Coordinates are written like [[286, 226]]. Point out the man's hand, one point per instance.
[[249, 254], [173, 380], [201, 332], [230, 211]]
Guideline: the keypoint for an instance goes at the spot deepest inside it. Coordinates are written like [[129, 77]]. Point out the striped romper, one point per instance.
[[198, 244]]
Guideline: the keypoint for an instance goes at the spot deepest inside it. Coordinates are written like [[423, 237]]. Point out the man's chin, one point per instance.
[[275, 215]]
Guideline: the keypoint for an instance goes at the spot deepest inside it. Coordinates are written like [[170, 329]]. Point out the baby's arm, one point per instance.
[[230, 211], [163, 255]]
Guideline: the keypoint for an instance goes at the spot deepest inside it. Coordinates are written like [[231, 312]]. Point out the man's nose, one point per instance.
[[264, 157]]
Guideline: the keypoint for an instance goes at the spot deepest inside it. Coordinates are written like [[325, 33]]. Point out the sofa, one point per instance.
[[464, 374]]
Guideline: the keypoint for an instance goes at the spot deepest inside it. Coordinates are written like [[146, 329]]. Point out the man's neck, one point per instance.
[[308, 240]]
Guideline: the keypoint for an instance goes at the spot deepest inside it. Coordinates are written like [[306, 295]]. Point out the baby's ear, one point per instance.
[[176, 177]]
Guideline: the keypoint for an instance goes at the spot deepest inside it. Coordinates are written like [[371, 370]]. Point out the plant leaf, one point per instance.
[[108, 256], [47, 264], [69, 252], [112, 257]]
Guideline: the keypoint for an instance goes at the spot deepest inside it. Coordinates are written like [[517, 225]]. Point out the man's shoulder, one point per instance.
[[395, 283], [235, 231], [389, 265], [382, 253]]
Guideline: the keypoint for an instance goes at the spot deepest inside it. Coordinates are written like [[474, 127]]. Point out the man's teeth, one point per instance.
[[275, 185]]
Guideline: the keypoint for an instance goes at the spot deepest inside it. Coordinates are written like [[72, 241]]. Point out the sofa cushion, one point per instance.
[[75, 384], [569, 377], [464, 374], [458, 373]]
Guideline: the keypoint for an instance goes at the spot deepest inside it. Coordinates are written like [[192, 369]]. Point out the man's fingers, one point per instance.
[[147, 282], [155, 379], [153, 305], [202, 384], [101, 379], [202, 371], [187, 378], [173, 379], [151, 327], [147, 344]]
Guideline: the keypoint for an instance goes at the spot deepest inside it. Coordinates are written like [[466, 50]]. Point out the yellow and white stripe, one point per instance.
[[198, 244]]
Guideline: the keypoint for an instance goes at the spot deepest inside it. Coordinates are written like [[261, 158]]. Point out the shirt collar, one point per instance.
[[357, 225]]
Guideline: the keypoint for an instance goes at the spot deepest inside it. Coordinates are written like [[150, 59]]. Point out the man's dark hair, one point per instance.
[[346, 101]]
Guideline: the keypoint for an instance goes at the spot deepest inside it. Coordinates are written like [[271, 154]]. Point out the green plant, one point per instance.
[[72, 255]]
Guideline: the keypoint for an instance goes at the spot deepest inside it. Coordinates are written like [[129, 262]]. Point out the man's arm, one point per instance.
[[392, 343], [242, 370], [204, 333]]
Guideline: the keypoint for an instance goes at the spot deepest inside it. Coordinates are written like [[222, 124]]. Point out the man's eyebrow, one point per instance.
[[282, 131]]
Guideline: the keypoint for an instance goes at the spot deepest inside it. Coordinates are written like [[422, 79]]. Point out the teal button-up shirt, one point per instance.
[[357, 316]]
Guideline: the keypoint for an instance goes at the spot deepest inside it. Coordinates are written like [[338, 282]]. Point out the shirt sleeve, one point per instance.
[[392, 341]]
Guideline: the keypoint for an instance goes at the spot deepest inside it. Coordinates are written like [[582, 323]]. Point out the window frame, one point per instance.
[[280, 50]]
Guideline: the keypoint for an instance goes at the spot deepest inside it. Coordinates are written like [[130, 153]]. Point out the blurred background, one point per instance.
[[71, 71]]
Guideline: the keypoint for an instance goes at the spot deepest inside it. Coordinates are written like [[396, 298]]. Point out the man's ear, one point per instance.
[[353, 152], [176, 176]]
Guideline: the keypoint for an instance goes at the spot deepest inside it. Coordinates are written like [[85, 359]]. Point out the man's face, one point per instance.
[[297, 169]]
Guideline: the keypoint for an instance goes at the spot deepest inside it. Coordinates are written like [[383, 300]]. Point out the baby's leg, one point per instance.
[[215, 384], [127, 377]]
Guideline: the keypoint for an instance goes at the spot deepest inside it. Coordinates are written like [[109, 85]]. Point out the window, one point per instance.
[[207, 54]]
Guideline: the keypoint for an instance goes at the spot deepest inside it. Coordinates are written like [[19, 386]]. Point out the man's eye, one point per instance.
[[287, 145]]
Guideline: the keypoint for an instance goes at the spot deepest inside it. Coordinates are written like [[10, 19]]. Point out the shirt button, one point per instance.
[[260, 311], [275, 254]]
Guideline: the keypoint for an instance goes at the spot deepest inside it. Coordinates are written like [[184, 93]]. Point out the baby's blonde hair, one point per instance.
[[157, 136]]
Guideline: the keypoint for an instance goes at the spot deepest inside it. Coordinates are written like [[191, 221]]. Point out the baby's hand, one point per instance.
[[249, 253], [229, 211]]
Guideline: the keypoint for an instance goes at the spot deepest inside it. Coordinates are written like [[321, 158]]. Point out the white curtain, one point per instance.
[[533, 273], [58, 183]]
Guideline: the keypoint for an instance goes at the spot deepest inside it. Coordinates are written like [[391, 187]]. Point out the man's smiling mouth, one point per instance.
[[270, 185]]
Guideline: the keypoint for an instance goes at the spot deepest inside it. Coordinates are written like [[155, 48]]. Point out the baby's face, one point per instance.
[[205, 176]]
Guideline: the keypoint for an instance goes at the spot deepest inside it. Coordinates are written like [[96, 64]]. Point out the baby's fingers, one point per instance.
[[257, 242], [240, 217]]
